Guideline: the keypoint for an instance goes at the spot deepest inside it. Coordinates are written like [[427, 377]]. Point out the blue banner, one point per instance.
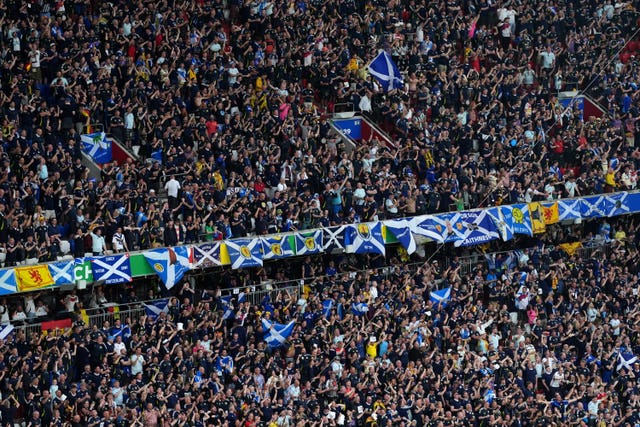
[[111, 269], [503, 223], [333, 239], [350, 127], [592, 207], [8, 283], [401, 229], [97, 146], [520, 218], [477, 228], [308, 243], [245, 253], [63, 272], [365, 238], [170, 264], [569, 209], [207, 255], [276, 247]]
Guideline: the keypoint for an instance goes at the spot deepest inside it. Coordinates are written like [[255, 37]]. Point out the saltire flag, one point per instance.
[[504, 223], [276, 247], [537, 218], [616, 204], [633, 202], [266, 304], [593, 207], [112, 269], [5, 330], [227, 306], [327, 306], [569, 209], [206, 255], [626, 360], [386, 72], [333, 239], [124, 332], [340, 310], [365, 238], [276, 334], [435, 228], [8, 284], [551, 213], [155, 308], [359, 308], [170, 264], [97, 146], [308, 243], [245, 253], [489, 395], [62, 272], [478, 228], [441, 298], [401, 229], [33, 278]]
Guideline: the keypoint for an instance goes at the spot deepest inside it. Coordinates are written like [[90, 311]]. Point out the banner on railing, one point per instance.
[[464, 228]]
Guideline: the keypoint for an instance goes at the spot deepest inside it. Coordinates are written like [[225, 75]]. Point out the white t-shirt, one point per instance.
[[137, 363], [172, 186], [548, 59]]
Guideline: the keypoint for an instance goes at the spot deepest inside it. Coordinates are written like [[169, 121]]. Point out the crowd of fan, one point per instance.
[[228, 99], [530, 341]]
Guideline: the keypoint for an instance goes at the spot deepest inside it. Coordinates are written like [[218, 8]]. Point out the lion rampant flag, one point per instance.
[[551, 214], [33, 278]]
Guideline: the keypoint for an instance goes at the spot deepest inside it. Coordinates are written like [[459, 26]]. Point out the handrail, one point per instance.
[[370, 121]]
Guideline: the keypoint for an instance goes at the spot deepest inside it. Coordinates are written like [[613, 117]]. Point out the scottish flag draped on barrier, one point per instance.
[[592, 207], [5, 330], [245, 253], [276, 334], [170, 264], [309, 243], [276, 247], [97, 146], [62, 272], [386, 72], [207, 255], [616, 204], [364, 238], [520, 218], [401, 229], [111, 269], [477, 228], [503, 223], [8, 283], [333, 239], [569, 209]]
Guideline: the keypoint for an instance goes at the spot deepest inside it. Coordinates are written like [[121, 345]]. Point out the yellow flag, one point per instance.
[[33, 277], [537, 220], [551, 214], [84, 316], [570, 248]]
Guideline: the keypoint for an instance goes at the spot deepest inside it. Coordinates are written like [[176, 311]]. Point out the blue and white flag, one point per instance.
[[276, 247], [276, 334], [206, 255], [434, 228], [616, 204], [245, 253], [5, 330], [365, 238], [441, 297], [62, 272], [520, 218], [359, 308], [327, 306], [308, 243], [111, 269], [401, 229], [504, 223], [386, 72], [593, 207], [478, 228], [227, 306], [8, 283], [489, 395], [97, 146], [170, 264], [333, 239], [153, 309], [626, 360], [124, 332], [569, 209]]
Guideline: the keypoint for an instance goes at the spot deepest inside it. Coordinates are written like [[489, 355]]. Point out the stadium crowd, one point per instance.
[[527, 338], [229, 100]]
